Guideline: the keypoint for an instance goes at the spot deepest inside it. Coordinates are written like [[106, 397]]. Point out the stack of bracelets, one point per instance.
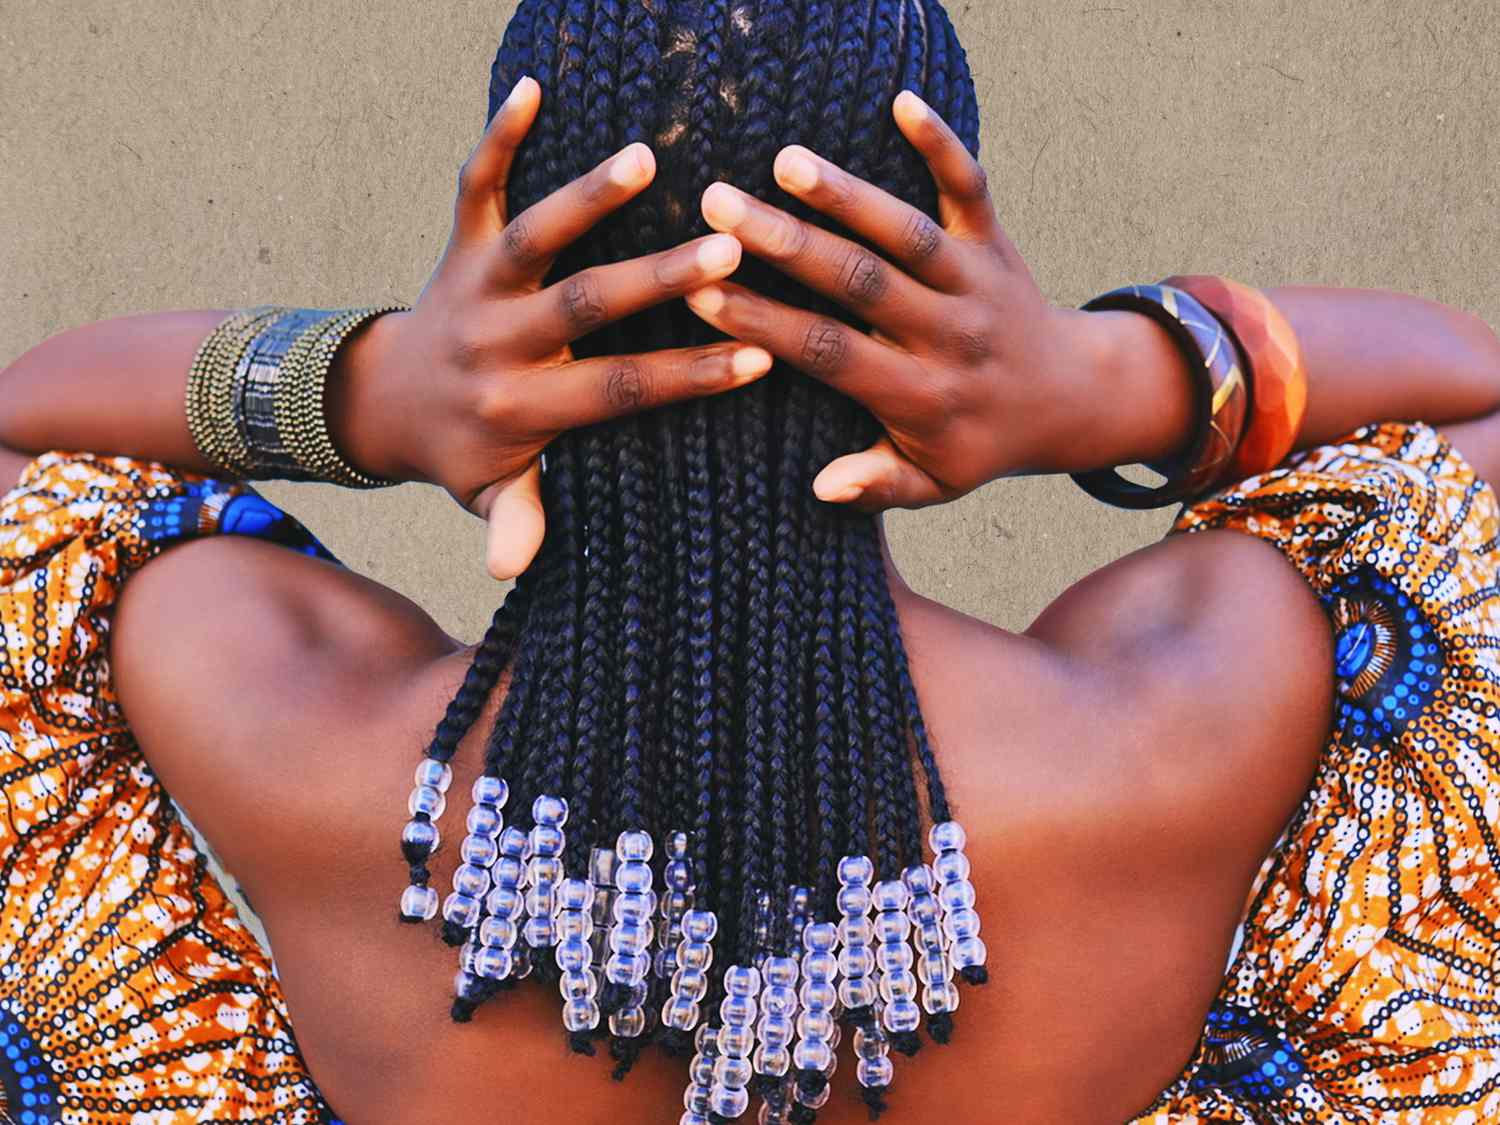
[[1250, 386], [629, 947], [255, 394]]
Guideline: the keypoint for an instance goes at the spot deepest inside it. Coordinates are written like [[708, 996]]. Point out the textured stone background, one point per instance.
[[156, 155]]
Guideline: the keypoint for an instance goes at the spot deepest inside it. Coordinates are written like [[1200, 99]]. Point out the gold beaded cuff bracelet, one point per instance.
[[255, 395]]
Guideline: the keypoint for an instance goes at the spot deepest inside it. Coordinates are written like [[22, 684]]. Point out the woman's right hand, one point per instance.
[[467, 388]]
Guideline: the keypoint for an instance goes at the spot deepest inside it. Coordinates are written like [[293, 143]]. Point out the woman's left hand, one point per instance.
[[972, 372]]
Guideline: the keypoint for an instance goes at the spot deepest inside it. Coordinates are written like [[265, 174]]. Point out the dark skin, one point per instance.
[[1115, 821]]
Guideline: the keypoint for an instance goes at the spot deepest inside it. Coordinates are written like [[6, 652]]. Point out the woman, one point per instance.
[[1175, 750]]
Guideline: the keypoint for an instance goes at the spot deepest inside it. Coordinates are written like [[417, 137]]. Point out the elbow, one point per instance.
[[1480, 348], [18, 384]]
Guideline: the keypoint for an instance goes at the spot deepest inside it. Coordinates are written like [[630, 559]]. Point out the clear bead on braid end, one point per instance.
[[420, 838], [957, 898], [778, 1025], [478, 853]]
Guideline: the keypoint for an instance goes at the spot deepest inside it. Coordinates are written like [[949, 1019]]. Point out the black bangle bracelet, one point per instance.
[[1220, 392]]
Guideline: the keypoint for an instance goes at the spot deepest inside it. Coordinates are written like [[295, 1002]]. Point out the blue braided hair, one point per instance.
[[701, 645]]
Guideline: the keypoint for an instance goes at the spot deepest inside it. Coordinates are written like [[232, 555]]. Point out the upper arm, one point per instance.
[[239, 665], [1211, 661]]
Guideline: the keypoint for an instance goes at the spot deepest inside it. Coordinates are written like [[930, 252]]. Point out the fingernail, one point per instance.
[[796, 171], [515, 91], [724, 206], [835, 493], [915, 109], [751, 361], [629, 167], [718, 253], [706, 301]]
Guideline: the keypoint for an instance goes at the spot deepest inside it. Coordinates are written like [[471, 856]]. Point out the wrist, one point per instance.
[[363, 400], [1136, 400]]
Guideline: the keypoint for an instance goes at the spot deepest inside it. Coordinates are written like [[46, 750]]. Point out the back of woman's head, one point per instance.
[[702, 646]]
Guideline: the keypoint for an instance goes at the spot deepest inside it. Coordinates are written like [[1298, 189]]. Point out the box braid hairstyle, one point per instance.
[[706, 664]]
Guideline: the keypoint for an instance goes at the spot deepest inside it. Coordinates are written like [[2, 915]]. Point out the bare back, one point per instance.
[[1115, 822]]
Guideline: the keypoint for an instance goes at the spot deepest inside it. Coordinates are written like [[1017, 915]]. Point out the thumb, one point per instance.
[[875, 479], [517, 523]]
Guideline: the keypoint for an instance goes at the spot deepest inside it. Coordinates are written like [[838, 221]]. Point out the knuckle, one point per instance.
[[788, 239], [976, 182], [839, 196], [627, 385], [864, 277], [471, 344], [921, 238], [933, 399], [882, 494], [495, 407], [968, 339], [466, 183], [582, 303], [825, 347], [520, 240]]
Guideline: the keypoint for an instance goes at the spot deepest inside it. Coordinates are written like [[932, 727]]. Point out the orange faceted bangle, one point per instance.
[[1277, 377]]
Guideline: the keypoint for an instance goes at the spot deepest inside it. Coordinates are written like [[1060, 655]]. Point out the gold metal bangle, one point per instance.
[[301, 417], [210, 409]]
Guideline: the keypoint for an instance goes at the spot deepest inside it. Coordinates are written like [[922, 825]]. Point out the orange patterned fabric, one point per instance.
[[130, 991], [1364, 990]]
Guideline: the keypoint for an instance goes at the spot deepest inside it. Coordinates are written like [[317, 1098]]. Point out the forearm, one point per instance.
[[114, 386], [117, 386], [1371, 356]]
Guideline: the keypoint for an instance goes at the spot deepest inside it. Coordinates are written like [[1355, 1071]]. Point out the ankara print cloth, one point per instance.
[[1364, 988], [131, 992]]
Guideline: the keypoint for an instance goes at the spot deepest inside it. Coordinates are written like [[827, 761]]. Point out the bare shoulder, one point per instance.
[[243, 667], [1190, 676], [234, 602], [1217, 660]]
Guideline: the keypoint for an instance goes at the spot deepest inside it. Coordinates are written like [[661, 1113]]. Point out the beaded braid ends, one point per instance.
[[778, 1022], [700, 805]]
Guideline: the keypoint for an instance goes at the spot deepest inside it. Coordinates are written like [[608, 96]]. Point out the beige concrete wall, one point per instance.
[[162, 154]]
